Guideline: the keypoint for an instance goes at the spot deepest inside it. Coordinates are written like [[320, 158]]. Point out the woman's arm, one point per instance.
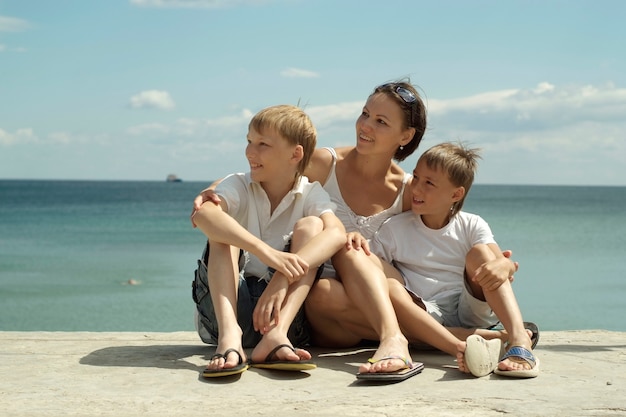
[[319, 166], [208, 194]]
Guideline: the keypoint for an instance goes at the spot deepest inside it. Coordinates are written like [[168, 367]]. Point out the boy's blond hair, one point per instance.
[[460, 164], [293, 125]]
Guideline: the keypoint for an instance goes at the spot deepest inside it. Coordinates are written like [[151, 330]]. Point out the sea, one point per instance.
[[120, 255]]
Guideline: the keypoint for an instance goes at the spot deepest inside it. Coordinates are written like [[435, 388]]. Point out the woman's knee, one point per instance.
[[396, 289], [323, 298]]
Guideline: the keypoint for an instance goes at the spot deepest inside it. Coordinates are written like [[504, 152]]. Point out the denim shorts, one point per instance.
[[250, 290]]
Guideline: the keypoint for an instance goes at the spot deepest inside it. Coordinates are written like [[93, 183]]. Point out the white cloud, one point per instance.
[[62, 138], [4, 48], [199, 131], [196, 4], [298, 73], [546, 134], [28, 136], [182, 127], [544, 107], [573, 134], [12, 24], [24, 135], [148, 129], [154, 99]]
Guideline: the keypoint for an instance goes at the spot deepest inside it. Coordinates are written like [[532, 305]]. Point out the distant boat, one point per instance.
[[173, 178]]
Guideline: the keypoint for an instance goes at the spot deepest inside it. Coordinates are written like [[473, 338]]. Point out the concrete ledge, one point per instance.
[[583, 373]]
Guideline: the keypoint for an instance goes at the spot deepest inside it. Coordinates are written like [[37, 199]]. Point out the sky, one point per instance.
[[139, 89]]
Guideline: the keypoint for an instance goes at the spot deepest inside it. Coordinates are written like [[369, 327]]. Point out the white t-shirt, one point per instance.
[[432, 262], [249, 205]]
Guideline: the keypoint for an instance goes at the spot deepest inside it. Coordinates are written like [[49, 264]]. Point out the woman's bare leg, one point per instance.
[[372, 318]]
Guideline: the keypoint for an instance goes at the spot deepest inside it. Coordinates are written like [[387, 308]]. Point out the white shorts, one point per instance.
[[459, 309]]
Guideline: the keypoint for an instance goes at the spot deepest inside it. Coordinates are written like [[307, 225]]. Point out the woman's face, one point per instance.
[[380, 127]]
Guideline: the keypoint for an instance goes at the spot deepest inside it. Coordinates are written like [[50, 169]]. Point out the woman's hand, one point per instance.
[[356, 241], [204, 196]]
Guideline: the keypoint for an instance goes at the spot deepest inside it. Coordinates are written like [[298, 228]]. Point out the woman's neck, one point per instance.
[[374, 167]]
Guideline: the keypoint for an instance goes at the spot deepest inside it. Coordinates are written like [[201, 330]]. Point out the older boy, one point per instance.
[[451, 264], [261, 213]]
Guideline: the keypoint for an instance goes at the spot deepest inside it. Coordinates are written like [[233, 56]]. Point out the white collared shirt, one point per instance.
[[249, 205]]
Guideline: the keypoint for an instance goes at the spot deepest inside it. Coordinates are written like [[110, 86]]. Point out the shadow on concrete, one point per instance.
[[153, 356]]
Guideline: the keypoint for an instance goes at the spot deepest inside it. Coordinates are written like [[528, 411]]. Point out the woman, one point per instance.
[[368, 188]]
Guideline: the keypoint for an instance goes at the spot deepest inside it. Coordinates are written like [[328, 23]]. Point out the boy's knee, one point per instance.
[[478, 255], [304, 230], [308, 225]]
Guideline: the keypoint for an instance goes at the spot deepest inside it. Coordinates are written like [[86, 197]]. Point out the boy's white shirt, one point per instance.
[[432, 262], [249, 205]]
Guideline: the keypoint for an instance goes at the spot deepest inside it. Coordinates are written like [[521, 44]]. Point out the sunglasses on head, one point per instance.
[[404, 93]]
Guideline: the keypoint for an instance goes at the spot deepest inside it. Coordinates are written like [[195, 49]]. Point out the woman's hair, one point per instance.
[[458, 162], [291, 123], [413, 109]]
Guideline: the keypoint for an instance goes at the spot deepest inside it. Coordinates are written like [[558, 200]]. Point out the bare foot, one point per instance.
[[270, 341], [460, 357], [396, 349], [219, 361], [514, 363]]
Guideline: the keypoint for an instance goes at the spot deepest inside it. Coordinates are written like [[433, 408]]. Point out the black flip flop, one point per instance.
[[237, 369], [281, 365], [411, 369]]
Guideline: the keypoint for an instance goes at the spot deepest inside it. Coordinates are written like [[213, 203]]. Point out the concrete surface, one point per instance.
[[158, 374]]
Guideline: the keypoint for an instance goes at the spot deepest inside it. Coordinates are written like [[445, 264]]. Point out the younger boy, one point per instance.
[[450, 262], [261, 213]]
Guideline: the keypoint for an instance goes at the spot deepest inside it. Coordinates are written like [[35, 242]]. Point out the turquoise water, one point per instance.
[[68, 248]]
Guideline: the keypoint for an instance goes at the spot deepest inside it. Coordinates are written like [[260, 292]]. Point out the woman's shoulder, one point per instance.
[[343, 151], [404, 178], [320, 165], [396, 170]]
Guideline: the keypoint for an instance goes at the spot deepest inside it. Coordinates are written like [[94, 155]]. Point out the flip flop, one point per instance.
[[281, 365], [410, 369], [528, 325], [482, 356], [237, 369], [527, 356]]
